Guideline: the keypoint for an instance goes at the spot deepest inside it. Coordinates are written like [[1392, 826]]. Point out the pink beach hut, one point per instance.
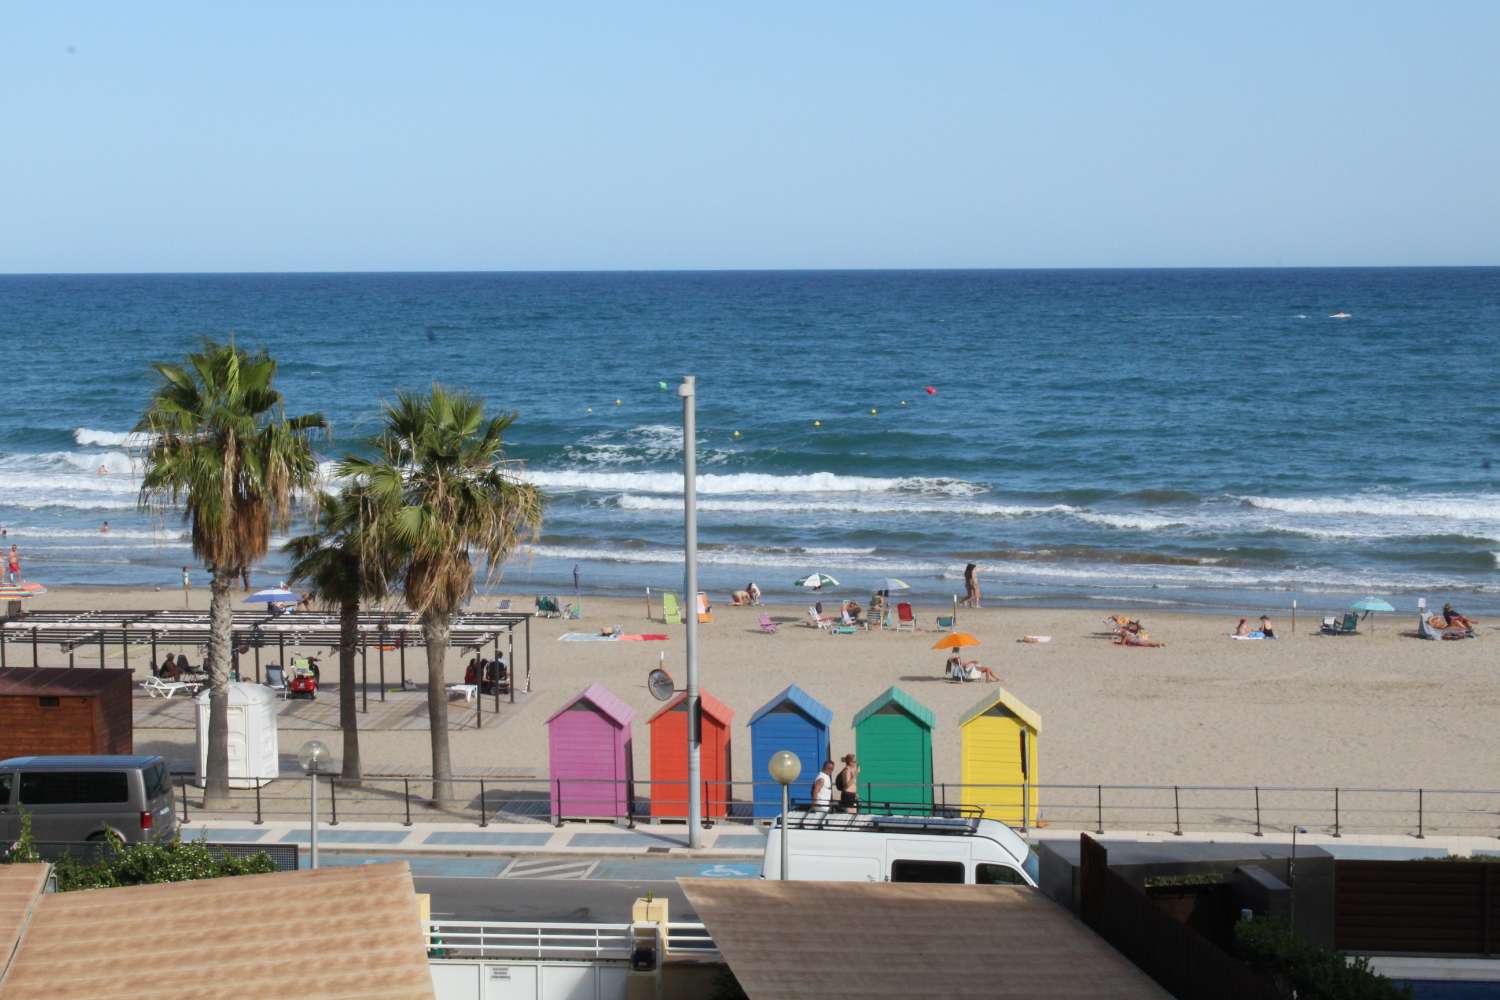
[[588, 750]]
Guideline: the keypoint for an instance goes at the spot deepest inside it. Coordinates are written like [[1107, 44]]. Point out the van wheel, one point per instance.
[[95, 838]]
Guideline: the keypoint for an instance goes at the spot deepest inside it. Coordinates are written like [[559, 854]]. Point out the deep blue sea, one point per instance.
[[1221, 438]]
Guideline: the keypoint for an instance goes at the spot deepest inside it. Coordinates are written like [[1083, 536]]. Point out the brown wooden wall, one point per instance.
[[92, 713], [1431, 906]]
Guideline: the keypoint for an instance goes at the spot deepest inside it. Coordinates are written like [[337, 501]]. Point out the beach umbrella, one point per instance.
[[955, 640], [20, 591], [816, 580], [276, 595], [1370, 604], [890, 583]]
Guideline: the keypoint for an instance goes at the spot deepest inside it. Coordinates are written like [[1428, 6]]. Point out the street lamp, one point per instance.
[[1291, 879], [784, 768], [310, 755]]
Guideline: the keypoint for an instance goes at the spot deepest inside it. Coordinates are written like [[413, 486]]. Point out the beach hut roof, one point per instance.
[[711, 707], [800, 698], [902, 700], [601, 698], [1000, 696]]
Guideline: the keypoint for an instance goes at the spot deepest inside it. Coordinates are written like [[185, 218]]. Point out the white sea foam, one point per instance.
[[110, 439], [1129, 522], [743, 483], [1478, 507], [734, 557], [842, 505]]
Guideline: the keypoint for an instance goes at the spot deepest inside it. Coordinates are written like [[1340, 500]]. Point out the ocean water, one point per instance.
[[1201, 439]]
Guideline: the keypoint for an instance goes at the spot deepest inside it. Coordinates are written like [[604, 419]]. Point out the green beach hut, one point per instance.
[[893, 738]]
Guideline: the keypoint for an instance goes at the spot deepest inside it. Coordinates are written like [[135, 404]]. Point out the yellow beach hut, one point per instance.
[[997, 747]]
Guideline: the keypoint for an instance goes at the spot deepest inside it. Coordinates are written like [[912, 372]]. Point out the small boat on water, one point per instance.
[[1340, 315]]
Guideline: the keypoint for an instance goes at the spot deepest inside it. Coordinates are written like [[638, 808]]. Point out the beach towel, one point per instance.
[[642, 638], [1035, 638], [1251, 635], [587, 637]]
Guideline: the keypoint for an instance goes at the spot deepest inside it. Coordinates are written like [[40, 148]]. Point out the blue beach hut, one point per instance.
[[795, 721]]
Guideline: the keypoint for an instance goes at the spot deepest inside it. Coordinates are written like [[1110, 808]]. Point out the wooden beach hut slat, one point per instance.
[[793, 720], [998, 747], [893, 740], [589, 756], [669, 757]]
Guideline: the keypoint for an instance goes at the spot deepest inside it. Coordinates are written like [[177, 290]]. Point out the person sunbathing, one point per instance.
[[1452, 619], [1243, 627], [1139, 637], [969, 670]]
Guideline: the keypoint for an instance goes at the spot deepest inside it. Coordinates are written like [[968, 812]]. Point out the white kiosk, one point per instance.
[[253, 748]]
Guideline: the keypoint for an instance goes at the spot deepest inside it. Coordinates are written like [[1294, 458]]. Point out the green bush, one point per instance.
[[1307, 971], [137, 864]]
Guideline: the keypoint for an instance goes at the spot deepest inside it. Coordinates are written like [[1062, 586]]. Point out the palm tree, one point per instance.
[[445, 495], [341, 571], [222, 451]]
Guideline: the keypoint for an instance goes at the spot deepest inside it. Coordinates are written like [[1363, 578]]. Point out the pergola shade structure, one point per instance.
[[252, 632]]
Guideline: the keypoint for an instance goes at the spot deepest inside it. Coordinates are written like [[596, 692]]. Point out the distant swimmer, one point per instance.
[[104, 528], [103, 470], [1340, 315]]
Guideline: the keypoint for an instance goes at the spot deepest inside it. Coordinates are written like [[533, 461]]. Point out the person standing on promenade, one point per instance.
[[187, 587], [971, 586], [822, 788]]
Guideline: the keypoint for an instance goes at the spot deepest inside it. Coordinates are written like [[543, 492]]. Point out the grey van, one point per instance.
[[74, 799]]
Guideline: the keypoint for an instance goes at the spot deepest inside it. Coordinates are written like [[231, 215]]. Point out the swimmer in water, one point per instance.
[[104, 528]]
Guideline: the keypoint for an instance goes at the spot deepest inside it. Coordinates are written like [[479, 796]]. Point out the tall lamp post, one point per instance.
[[311, 755], [690, 603], [784, 767], [1291, 879]]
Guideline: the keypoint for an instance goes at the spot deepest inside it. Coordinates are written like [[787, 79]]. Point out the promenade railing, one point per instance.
[[1174, 809]]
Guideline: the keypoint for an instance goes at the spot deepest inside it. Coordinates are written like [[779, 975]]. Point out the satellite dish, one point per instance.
[[660, 683]]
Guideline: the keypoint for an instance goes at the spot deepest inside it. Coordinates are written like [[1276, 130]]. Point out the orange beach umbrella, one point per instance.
[[953, 640]]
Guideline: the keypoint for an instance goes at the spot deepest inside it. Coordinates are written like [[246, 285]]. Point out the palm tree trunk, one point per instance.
[[220, 622], [348, 718], [435, 631]]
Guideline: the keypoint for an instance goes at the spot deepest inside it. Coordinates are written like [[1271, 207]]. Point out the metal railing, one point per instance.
[[499, 939], [1176, 809]]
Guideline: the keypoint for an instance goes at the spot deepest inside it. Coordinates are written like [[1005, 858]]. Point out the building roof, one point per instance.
[[902, 700], [1000, 696], [712, 707], [333, 932], [905, 939], [20, 888], [60, 681], [805, 702], [604, 700]]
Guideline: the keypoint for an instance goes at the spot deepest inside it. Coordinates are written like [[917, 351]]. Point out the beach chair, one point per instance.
[[671, 611], [906, 619], [572, 611], [848, 621], [767, 625], [816, 620], [1333, 626], [505, 605], [276, 678], [547, 607], [945, 621], [703, 616]]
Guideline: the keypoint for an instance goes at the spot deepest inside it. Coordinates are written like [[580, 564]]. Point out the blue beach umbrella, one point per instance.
[[276, 595], [1369, 605]]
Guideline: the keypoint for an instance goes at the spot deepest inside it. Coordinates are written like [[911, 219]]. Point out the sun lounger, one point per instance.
[[155, 687], [816, 620], [767, 625], [468, 691], [1348, 626], [671, 611], [906, 619]]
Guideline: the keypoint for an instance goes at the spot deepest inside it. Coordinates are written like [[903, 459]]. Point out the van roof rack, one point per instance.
[[889, 817]]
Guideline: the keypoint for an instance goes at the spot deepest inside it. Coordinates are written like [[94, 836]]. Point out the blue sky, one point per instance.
[[323, 136]]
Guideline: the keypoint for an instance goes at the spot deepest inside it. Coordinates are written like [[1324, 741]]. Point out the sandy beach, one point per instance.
[[1377, 709]]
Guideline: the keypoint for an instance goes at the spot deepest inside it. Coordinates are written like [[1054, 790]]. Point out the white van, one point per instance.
[[840, 847]]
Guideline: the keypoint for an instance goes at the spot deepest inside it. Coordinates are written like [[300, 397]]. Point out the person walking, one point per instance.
[[575, 579], [13, 566], [847, 783], [971, 586], [822, 788]]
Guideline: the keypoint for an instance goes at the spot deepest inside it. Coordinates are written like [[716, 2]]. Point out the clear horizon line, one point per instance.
[[754, 270]]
